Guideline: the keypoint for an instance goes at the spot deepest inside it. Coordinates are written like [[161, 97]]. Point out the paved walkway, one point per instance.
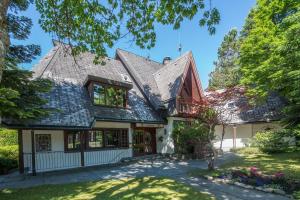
[[148, 167]]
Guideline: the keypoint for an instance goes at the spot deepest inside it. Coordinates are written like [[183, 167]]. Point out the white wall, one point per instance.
[[57, 159], [167, 145], [244, 132]]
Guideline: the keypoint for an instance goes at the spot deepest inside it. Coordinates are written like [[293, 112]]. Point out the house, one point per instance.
[[243, 121], [102, 114], [105, 113]]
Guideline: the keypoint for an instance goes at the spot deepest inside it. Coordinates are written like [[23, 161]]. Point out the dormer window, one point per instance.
[[107, 92], [107, 95]]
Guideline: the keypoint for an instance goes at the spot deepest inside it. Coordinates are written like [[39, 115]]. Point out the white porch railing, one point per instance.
[[49, 161]]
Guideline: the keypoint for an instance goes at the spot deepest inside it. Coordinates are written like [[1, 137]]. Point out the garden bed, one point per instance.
[[253, 178]]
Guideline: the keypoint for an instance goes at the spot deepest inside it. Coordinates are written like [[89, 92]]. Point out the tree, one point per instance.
[[269, 54], [227, 71], [214, 111], [95, 25], [20, 95]]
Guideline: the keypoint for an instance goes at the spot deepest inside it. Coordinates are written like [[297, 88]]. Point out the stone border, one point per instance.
[[231, 182]]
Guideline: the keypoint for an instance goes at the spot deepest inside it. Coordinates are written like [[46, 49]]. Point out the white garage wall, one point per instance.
[[244, 133]]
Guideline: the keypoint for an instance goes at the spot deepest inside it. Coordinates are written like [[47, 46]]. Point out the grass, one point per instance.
[[131, 188], [288, 163]]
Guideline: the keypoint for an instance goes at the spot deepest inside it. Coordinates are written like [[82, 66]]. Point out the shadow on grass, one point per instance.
[[134, 188]]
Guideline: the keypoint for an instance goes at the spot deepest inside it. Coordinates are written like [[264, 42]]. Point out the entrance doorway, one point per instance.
[[144, 141]]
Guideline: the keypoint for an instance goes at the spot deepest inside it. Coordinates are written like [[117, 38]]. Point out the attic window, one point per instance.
[[107, 95]]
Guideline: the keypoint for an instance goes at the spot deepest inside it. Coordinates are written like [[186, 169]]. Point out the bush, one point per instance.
[[8, 137], [191, 139], [8, 158], [246, 150], [271, 141]]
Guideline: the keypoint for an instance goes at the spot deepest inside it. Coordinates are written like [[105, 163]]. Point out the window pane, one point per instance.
[[99, 94], [111, 96], [43, 142], [111, 138], [95, 139], [73, 140], [120, 97], [124, 139]]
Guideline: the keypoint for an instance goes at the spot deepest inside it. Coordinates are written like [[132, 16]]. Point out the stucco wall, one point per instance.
[[244, 132], [167, 145]]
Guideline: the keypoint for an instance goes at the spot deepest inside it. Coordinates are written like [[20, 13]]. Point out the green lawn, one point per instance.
[[288, 163], [132, 188]]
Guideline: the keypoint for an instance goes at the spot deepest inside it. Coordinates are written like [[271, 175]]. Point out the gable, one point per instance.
[[190, 88], [169, 78]]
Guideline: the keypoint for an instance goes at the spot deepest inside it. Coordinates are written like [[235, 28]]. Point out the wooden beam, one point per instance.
[[33, 153], [21, 156], [234, 136], [82, 148]]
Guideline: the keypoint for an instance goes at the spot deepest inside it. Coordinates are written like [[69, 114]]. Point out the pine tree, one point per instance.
[[19, 93], [226, 73]]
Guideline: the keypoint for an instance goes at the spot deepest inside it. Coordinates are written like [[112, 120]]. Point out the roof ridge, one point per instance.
[[172, 62], [140, 56]]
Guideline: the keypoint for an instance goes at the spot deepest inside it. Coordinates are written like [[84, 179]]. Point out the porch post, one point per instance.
[[234, 136], [33, 153], [82, 148], [21, 156]]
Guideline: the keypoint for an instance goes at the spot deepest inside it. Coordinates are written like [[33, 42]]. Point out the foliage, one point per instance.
[[27, 103], [269, 53], [246, 151], [8, 137], [130, 188], [187, 137], [19, 93], [271, 141], [8, 158], [226, 73], [95, 25]]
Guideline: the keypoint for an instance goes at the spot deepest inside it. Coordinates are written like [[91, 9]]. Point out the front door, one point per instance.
[[144, 141]]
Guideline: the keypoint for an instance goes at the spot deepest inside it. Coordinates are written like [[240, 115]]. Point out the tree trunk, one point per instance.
[[211, 156], [4, 37], [223, 134]]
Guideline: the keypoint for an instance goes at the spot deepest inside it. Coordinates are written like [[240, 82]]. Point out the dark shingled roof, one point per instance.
[[239, 111], [159, 83], [71, 99]]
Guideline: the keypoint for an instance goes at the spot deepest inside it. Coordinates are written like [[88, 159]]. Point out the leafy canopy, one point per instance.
[[95, 25], [270, 53]]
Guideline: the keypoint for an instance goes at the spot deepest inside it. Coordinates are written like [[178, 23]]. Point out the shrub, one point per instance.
[[8, 137], [271, 141], [246, 150], [191, 139], [8, 158]]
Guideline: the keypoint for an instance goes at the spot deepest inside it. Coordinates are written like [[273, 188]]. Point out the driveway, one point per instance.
[[159, 167]]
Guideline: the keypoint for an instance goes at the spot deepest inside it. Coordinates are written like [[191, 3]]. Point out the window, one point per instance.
[[95, 139], [72, 141], [99, 95], [110, 96], [111, 138], [42, 142], [116, 138]]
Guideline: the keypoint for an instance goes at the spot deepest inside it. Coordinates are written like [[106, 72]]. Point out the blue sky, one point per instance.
[[192, 37]]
